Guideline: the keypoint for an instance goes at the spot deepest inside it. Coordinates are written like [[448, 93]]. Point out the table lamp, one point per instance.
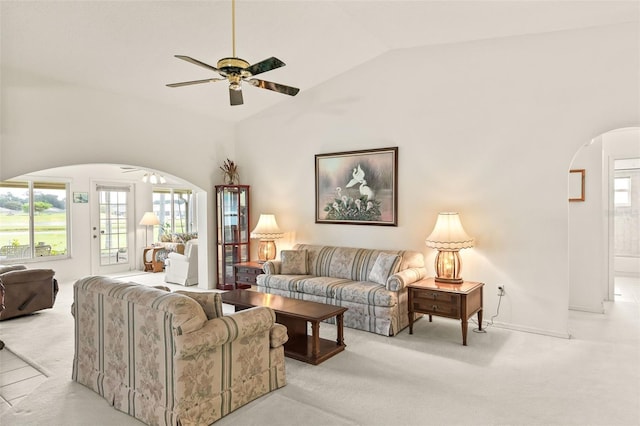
[[149, 219], [266, 230], [448, 237]]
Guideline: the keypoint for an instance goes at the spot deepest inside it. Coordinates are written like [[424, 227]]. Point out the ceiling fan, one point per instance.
[[237, 70]]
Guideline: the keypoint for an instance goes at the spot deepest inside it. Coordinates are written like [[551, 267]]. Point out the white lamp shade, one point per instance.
[[267, 228], [448, 234], [150, 219]]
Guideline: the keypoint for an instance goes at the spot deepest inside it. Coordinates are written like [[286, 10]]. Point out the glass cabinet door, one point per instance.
[[232, 221]]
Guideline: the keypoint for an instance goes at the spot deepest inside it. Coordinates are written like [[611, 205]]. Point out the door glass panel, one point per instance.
[[113, 227]]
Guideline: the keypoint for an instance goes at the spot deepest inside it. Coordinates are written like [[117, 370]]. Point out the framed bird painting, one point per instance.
[[358, 187]]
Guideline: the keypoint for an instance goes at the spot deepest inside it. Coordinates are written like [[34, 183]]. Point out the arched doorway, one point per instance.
[[592, 254]]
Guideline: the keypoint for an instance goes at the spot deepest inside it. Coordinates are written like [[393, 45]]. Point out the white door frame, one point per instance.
[[97, 268]]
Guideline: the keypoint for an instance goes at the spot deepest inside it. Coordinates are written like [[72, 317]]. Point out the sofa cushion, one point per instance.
[[386, 265], [341, 289], [320, 286], [294, 262]]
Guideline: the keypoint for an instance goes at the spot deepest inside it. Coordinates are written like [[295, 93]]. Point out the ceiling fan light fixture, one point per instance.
[[235, 86]]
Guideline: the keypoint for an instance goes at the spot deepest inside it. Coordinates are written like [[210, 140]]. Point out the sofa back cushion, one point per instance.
[[352, 263], [9, 268]]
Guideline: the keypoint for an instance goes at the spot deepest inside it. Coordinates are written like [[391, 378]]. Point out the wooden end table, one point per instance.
[[246, 273], [153, 265], [457, 301], [294, 314]]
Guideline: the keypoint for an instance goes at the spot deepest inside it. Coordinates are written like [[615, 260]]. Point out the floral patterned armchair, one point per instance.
[[173, 358]]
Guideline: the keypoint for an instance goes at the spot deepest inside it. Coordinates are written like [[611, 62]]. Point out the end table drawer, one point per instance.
[[437, 308], [248, 271], [246, 279], [439, 296]]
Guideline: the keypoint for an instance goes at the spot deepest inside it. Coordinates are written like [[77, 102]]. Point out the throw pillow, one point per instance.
[[211, 302], [385, 266], [293, 262]]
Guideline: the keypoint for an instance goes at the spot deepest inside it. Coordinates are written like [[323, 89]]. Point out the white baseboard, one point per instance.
[[533, 330], [592, 309]]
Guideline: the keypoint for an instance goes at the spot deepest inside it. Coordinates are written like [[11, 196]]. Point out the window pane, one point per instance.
[[50, 219], [174, 209], [49, 234], [622, 183], [622, 198], [14, 220]]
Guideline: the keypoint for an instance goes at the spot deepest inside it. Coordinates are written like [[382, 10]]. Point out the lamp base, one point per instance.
[[449, 280], [448, 266], [266, 250]]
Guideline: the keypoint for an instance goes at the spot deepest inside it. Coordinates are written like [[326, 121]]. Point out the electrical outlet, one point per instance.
[[501, 291]]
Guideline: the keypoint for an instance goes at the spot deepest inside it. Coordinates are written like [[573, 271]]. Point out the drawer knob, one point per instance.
[[434, 307]]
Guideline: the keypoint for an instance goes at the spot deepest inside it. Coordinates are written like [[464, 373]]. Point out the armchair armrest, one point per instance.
[[177, 256], [399, 280], [278, 335], [218, 331], [272, 267]]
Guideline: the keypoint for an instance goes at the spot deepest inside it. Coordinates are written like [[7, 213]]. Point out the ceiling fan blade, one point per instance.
[[264, 66], [276, 87], [235, 96], [197, 62], [188, 83]]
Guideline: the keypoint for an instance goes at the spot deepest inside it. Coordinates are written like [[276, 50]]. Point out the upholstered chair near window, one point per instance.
[[183, 268], [26, 290]]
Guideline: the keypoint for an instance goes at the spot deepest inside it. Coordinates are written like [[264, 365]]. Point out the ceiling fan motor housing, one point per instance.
[[234, 66]]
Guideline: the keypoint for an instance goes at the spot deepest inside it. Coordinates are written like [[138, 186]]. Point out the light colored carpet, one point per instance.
[[502, 378]]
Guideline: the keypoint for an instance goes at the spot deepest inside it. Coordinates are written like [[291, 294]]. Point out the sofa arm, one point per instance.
[[278, 335], [399, 280], [272, 267], [219, 331]]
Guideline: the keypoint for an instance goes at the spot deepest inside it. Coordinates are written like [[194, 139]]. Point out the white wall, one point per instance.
[[591, 269], [588, 265], [487, 129], [47, 124], [621, 144]]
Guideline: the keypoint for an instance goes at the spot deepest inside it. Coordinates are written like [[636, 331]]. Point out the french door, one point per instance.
[[112, 229]]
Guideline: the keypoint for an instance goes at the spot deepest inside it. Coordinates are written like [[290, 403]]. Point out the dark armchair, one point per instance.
[[26, 290]]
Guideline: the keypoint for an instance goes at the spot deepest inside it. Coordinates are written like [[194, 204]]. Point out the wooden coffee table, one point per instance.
[[294, 314]]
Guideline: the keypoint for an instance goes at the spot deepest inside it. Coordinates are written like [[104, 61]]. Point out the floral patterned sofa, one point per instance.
[[370, 283], [173, 358]]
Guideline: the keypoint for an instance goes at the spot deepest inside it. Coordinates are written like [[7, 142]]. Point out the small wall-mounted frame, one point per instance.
[[576, 184], [80, 197]]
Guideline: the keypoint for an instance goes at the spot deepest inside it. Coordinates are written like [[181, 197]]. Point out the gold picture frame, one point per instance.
[[576, 185], [357, 187]]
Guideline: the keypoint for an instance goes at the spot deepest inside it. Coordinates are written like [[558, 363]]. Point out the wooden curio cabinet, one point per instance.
[[232, 236]]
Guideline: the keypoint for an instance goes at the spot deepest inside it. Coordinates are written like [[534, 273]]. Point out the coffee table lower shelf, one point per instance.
[[295, 314]]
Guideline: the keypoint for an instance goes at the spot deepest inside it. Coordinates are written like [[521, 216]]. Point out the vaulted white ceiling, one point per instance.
[[127, 47]]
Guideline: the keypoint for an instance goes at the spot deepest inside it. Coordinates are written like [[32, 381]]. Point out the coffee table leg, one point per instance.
[[315, 338], [340, 326]]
